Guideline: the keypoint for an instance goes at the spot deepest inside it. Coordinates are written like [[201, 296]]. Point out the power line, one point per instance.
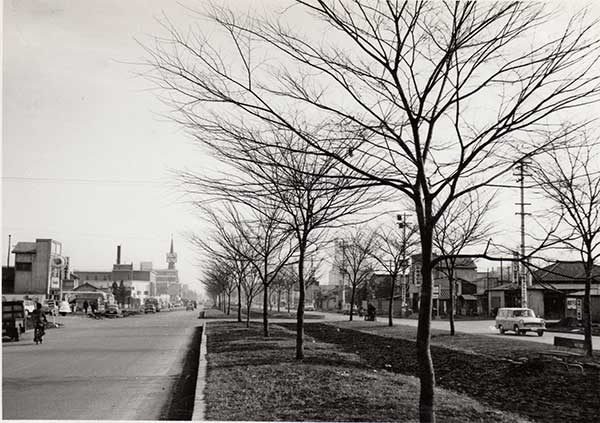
[[539, 184], [83, 181]]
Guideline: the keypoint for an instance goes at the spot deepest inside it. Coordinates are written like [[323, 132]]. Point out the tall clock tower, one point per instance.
[[171, 256]]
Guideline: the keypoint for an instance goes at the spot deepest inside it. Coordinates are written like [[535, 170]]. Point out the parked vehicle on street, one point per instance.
[[64, 308], [309, 307], [13, 319], [519, 320], [112, 310], [158, 305], [149, 308]]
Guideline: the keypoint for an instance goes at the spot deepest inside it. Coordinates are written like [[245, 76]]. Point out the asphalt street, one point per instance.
[[479, 327], [110, 369]]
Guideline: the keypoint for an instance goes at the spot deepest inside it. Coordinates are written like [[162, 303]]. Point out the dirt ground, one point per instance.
[[513, 378]]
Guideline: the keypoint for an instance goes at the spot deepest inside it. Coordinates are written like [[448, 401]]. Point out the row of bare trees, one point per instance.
[[434, 101]]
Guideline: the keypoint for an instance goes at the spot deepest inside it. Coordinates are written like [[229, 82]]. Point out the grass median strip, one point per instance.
[[507, 375], [255, 378]]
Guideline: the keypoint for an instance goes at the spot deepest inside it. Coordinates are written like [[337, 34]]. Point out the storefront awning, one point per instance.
[[469, 297]]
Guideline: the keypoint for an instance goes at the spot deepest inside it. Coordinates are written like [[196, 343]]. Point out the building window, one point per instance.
[[145, 292], [23, 266]]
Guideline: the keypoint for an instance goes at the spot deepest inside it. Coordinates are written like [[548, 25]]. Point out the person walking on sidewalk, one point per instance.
[[85, 306]]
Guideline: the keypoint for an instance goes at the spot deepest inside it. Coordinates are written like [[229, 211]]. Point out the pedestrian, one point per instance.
[[93, 307], [85, 306], [39, 320]]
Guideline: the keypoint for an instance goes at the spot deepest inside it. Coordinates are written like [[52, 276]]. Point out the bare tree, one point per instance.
[[392, 250], [213, 288], [224, 243], [270, 250], [265, 246], [393, 91], [570, 178], [251, 287], [462, 225], [274, 172], [356, 250]]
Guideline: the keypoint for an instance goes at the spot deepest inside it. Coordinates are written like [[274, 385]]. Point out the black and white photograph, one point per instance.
[[300, 210]]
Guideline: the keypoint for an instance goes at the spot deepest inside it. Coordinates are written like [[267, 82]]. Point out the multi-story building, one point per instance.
[[39, 267]]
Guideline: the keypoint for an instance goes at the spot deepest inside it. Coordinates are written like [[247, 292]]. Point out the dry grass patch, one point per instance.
[[255, 378]]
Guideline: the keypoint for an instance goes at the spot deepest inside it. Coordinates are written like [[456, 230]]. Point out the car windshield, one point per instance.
[[524, 313]]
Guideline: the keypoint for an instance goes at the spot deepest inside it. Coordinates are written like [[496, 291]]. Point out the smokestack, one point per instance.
[[118, 254]]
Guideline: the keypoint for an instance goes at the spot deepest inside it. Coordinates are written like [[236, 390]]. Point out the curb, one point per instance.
[[199, 405]]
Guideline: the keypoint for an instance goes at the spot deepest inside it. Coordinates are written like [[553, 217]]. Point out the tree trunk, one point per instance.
[[300, 315], [391, 305], [248, 307], [228, 303], [265, 310], [587, 315], [279, 301], [452, 305], [288, 299], [352, 300], [239, 293], [426, 372]]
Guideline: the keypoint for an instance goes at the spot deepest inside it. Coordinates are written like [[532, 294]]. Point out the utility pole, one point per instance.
[[402, 224], [8, 253], [522, 164]]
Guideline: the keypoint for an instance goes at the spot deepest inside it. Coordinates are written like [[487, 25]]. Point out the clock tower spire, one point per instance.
[[171, 256]]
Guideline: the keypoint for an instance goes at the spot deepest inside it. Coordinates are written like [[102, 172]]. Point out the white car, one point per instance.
[[64, 308], [519, 320], [309, 307]]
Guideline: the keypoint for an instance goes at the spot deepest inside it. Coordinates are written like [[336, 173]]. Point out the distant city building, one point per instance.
[[167, 280], [139, 284], [146, 265]]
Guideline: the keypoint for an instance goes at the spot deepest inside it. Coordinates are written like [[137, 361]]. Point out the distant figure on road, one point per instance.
[[38, 319], [371, 312], [93, 306], [85, 306]]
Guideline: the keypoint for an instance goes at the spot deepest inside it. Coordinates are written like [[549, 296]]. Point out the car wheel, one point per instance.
[[540, 333], [501, 330], [517, 331]]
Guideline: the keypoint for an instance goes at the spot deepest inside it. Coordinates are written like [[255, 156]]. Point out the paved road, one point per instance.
[[111, 369], [480, 327]]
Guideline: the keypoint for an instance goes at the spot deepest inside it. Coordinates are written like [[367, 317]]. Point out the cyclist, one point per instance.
[[39, 319]]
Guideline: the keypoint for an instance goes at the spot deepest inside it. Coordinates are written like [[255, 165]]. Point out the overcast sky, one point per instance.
[[86, 154]]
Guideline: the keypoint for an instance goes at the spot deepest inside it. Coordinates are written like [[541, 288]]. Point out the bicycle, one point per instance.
[[38, 333]]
